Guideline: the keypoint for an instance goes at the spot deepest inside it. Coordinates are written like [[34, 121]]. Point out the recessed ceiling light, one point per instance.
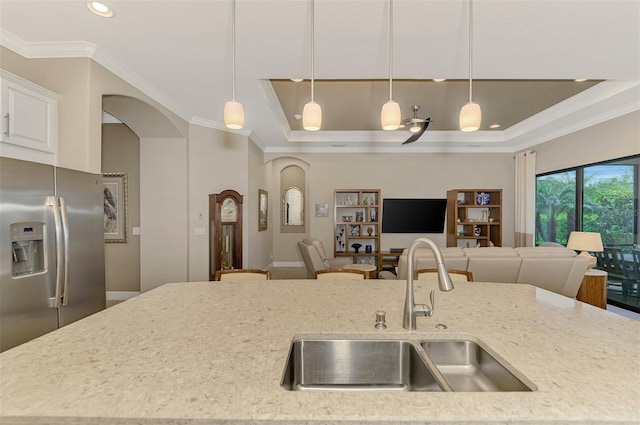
[[439, 80], [297, 117], [297, 80], [494, 126], [99, 9], [580, 80]]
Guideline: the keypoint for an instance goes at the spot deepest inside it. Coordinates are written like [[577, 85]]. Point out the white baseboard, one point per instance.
[[288, 264], [121, 295]]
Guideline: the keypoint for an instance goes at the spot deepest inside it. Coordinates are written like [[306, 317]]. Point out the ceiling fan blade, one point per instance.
[[416, 136]]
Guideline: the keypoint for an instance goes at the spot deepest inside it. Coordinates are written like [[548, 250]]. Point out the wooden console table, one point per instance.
[[593, 289]]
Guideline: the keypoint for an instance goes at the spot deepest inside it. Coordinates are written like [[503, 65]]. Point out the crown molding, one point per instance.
[[216, 125], [83, 49], [65, 49]]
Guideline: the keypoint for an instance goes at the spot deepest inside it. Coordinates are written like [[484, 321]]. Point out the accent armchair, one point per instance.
[[315, 257]]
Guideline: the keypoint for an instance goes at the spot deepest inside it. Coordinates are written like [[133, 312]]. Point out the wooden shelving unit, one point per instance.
[[474, 217], [362, 206]]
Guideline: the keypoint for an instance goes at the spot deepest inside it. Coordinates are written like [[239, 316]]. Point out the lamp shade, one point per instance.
[[312, 116], [233, 115], [390, 115], [470, 117], [585, 241]]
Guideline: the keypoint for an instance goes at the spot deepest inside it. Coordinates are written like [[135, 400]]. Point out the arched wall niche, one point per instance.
[[285, 252]]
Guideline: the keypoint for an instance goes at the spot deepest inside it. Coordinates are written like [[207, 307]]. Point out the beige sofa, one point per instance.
[[558, 270]]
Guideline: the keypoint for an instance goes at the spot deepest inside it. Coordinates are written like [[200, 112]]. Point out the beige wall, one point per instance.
[[612, 139], [163, 214], [427, 175], [218, 160], [260, 251], [121, 154]]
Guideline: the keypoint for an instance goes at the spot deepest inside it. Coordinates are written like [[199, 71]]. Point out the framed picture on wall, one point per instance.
[[115, 207], [263, 209]]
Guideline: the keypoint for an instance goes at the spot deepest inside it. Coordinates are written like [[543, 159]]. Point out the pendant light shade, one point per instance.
[[233, 115], [312, 116], [390, 115], [233, 110], [312, 112], [470, 114], [470, 117]]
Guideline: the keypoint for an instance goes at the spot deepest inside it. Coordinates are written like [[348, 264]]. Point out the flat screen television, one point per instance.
[[413, 215]]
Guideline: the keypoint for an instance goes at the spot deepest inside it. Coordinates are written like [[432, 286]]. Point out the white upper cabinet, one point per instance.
[[29, 117]]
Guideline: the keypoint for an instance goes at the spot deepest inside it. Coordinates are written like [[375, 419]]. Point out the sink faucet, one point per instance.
[[411, 309]]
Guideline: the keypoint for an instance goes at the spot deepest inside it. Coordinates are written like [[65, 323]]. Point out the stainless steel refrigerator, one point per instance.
[[51, 249]]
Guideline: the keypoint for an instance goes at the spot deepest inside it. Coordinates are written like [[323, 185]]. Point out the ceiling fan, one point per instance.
[[415, 125]]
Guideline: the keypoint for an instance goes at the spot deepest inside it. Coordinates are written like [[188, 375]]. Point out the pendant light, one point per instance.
[[233, 110], [312, 112], [390, 115], [470, 114]]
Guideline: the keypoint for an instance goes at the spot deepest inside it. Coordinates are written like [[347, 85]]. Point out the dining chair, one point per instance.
[[340, 274], [456, 275], [618, 269], [236, 275]]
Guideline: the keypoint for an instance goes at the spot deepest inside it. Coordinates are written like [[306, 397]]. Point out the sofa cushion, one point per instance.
[[546, 252], [554, 274], [454, 258], [502, 269], [492, 252]]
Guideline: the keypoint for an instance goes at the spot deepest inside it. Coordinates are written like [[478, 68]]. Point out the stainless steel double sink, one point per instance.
[[357, 364]]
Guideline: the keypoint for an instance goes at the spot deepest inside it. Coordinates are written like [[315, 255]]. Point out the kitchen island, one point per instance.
[[214, 352]]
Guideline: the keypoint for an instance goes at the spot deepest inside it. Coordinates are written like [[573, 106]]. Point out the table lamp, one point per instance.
[[586, 242]]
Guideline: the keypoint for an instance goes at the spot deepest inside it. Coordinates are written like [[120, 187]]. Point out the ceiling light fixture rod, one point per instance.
[[470, 114], [470, 51], [312, 47], [233, 110], [233, 51], [390, 49], [390, 115], [312, 112]]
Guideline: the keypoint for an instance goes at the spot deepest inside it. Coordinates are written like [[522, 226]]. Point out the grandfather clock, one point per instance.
[[225, 236]]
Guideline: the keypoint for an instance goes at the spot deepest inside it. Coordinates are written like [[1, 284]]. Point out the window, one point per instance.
[[594, 198], [599, 198], [555, 207]]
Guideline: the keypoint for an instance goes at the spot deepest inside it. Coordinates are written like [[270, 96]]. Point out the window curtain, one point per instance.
[[525, 193]]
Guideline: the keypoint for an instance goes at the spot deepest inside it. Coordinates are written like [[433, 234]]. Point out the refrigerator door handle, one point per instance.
[[65, 229], [53, 201]]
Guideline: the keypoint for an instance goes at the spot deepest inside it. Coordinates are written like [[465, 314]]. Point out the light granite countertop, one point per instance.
[[214, 352]]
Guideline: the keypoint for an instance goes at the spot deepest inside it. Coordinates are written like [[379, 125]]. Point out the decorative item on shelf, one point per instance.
[[349, 200], [485, 216], [369, 231], [462, 202], [347, 217], [479, 198], [354, 230], [477, 230], [490, 220], [356, 247], [367, 249], [374, 215], [359, 216], [365, 201], [462, 233], [486, 198]]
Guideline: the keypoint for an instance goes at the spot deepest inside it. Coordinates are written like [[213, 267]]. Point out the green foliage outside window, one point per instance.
[[607, 205]]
